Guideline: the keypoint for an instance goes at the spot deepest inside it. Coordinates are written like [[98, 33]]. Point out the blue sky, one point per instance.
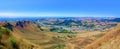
[[100, 8]]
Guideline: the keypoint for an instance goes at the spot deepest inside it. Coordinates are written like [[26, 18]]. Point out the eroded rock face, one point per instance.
[[9, 26], [19, 23], [6, 25], [22, 23]]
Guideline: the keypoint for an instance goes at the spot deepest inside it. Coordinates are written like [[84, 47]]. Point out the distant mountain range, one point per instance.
[[8, 19], [116, 20]]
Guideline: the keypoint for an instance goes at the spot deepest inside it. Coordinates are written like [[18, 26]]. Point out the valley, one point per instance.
[[61, 33]]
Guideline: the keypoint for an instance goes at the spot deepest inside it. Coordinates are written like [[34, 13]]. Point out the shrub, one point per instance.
[[13, 42], [5, 30], [60, 46], [0, 32]]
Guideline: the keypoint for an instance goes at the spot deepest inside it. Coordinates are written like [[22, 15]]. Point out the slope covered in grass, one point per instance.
[[11, 40], [111, 40]]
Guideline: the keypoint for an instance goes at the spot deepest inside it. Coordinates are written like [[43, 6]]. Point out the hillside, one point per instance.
[[9, 39], [111, 40], [33, 34], [27, 35]]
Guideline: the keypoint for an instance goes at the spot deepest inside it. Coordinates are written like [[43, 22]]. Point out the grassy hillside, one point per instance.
[[10, 40], [6, 40], [109, 41]]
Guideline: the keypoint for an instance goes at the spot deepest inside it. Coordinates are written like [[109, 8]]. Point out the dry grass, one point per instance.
[[30, 37], [113, 33]]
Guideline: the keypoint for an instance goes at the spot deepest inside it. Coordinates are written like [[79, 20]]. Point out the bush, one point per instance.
[[1, 32], [13, 42], [60, 46], [4, 30]]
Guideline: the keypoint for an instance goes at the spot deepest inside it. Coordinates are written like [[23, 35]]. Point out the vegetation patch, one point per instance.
[[40, 27], [60, 46], [65, 31], [4, 30], [59, 30], [54, 29], [13, 42]]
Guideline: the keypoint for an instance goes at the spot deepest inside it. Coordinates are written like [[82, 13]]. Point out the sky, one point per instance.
[[95, 8]]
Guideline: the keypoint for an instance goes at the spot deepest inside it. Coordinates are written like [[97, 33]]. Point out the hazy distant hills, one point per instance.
[[8, 19], [116, 20]]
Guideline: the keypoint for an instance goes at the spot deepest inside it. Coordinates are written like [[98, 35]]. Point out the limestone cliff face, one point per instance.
[[109, 41]]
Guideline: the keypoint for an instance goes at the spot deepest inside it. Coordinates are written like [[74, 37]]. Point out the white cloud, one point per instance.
[[7, 14]]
